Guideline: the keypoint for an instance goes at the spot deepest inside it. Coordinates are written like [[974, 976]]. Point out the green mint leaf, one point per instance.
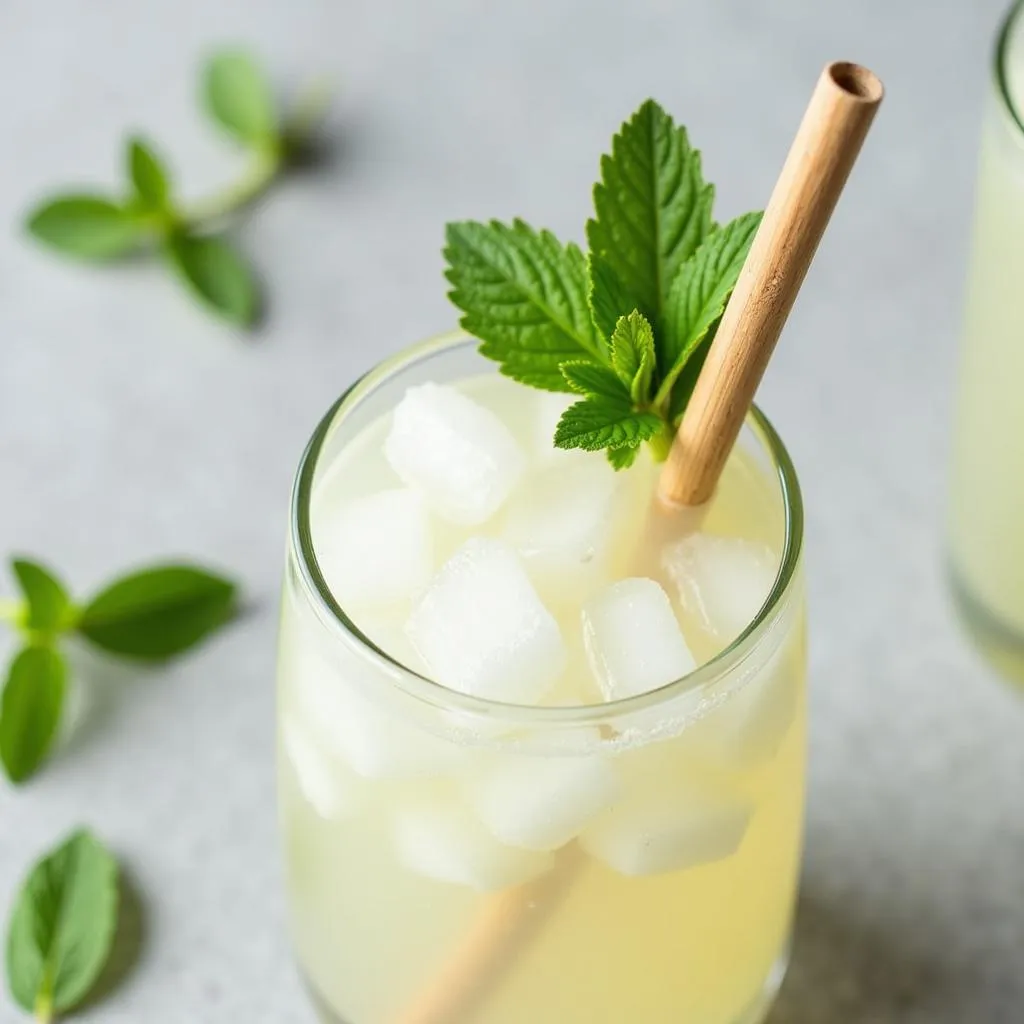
[[87, 227], [608, 298], [157, 613], [148, 175], [524, 295], [217, 274], [49, 605], [633, 356], [599, 381], [622, 458], [237, 96], [597, 423], [652, 209], [701, 290], [63, 925], [30, 710], [687, 379]]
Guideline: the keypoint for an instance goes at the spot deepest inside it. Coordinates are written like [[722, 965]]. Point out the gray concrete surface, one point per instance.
[[132, 427]]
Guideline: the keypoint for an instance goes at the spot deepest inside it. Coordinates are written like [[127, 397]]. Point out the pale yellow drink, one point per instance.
[[987, 495], [655, 882]]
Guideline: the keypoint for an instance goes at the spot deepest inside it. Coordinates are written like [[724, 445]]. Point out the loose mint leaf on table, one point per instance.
[[627, 327], [217, 274], [524, 295], [63, 926], [85, 226], [48, 605], [151, 614], [237, 96], [158, 612], [30, 710], [148, 175]]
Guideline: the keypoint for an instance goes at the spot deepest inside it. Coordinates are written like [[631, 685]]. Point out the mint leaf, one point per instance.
[[701, 290], [590, 379], [217, 274], [157, 613], [608, 298], [622, 458], [597, 423], [48, 602], [633, 356], [85, 226], [652, 209], [524, 295], [30, 710], [238, 97], [148, 175], [62, 928]]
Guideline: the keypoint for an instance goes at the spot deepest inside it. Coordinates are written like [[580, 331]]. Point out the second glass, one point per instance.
[[455, 860]]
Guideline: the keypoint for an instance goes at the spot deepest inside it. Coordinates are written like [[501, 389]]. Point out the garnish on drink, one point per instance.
[[562, 764]]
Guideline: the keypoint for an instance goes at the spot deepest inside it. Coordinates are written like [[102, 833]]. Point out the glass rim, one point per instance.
[[427, 690], [1000, 61]]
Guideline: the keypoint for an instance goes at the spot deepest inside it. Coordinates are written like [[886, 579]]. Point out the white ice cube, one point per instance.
[[542, 803], [561, 522], [328, 786], [481, 628], [633, 640], [444, 840], [374, 741], [667, 829], [459, 454], [722, 581], [375, 550]]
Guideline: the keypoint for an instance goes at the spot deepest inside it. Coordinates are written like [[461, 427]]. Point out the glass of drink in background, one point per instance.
[[986, 516], [595, 812]]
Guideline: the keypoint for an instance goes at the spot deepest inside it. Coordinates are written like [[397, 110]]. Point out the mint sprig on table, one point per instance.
[[62, 927], [626, 327], [149, 216], [150, 614]]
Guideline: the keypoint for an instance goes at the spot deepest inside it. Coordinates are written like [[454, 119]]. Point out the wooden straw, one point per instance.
[[825, 148], [837, 120], [506, 921]]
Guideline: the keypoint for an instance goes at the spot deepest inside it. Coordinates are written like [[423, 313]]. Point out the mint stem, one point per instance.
[[260, 176], [661, 443]]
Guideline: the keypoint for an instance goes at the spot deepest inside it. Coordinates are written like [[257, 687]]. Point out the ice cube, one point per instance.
[[560, 521], [375, 741], [481, 628], [442, 839], [329, 787], [633, 640], [375, 550], [722, 581], [456, 452], [542, 803], [667, 829]]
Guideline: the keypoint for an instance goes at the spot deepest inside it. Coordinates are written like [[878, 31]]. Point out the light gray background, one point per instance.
[[134, 427]]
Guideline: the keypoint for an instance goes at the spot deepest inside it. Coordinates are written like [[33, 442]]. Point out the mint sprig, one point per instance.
[[627, 326], [148, 215], [151, 614], [62, 928]]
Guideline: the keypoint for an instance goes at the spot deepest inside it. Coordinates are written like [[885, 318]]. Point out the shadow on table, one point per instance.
[[845, 968]]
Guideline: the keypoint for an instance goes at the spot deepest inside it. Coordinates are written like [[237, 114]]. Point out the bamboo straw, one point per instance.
[[819, 162], [837, 120]]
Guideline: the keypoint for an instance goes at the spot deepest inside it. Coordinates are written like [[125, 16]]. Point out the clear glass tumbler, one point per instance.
[[986, 511], [410, 903]]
